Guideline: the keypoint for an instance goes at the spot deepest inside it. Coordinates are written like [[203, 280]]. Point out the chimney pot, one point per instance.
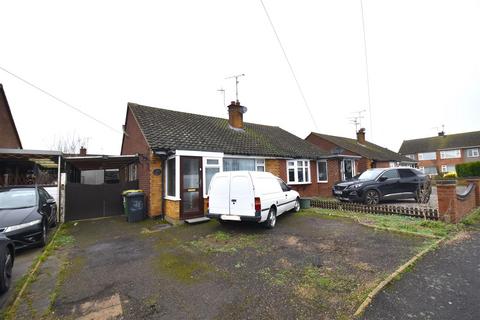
[[83, 151]]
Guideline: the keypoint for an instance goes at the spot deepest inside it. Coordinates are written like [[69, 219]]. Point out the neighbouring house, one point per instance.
[[180, 152], [443, 152], [353, 156], [9, 137]]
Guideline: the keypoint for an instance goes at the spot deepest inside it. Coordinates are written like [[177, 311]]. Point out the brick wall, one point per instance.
[[8, 132], [156, 186], [381, 164], [452, 207], [172, 209], [134, 143]]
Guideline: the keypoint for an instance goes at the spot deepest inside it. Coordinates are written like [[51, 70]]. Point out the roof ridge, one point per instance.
[[198, 115], [446, 135]]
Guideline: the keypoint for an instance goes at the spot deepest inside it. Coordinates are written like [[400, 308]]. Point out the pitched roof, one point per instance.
[[174, 130], [368, 150], [448, 141], [4, 102]]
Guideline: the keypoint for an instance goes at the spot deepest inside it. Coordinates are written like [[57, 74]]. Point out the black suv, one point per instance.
[[375, 185]]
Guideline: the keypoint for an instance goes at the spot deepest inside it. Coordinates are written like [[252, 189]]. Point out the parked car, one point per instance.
[[7, 257], [250, 196], [26, 214], [375, 185]]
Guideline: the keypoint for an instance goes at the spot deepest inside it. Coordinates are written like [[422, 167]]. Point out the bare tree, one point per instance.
[[70, 143]]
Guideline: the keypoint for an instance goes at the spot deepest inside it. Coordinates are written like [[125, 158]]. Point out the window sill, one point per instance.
[[172, 198], [325, 181], [297, 183]]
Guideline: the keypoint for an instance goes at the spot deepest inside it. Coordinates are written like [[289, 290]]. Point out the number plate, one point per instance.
[[338, 192]]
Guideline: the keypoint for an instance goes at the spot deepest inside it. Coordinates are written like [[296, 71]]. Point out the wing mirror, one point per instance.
[[50, 201], [382, 179]]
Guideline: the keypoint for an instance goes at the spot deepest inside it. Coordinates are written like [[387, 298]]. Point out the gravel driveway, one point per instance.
[[308, 267]]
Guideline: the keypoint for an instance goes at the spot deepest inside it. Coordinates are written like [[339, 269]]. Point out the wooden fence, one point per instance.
[[418, 212]]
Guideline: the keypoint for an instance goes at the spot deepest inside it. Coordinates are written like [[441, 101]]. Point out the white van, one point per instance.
[[250, 196]]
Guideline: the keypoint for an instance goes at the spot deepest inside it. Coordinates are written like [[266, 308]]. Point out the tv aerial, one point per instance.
[[236, 83], [357, 119]]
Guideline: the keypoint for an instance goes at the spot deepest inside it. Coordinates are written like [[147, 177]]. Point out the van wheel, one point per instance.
[[296, 208], [271, 219]]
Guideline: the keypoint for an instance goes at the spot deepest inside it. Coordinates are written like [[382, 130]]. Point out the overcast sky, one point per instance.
[[424, 64]]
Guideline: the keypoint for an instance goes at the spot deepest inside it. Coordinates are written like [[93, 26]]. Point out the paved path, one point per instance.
[[443, 285]]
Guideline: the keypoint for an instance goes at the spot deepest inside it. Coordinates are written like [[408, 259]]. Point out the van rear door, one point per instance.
[[219, 194], [242, 198]]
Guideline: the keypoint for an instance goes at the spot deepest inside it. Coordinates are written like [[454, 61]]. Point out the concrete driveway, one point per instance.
[[308, 267]]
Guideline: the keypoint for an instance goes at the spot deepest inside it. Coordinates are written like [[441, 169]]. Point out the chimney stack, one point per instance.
[[361, 136], [441, 133], [83, 151], [235, 115]]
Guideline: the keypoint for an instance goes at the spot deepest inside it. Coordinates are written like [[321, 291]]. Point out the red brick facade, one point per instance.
[[8, 132]]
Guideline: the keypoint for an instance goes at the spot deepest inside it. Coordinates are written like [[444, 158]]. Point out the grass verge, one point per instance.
[[410, 225]]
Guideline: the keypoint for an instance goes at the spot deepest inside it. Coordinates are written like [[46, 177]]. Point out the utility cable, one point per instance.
[[366, 69], [289, 65]]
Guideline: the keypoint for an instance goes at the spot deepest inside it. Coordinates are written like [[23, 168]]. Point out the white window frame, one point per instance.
[[175, 197], [204, 174], [260, 163], [444, 168], [420, 156], [444, 154], [411, 156], [342, 168], [132, 172], [473, 153], [318, 171], [295, 168]]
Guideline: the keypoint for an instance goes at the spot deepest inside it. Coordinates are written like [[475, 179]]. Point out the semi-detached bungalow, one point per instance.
[[180, 152]]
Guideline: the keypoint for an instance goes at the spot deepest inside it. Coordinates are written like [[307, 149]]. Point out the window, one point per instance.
[[390, 174], [284, 187], [241, 164], [392, 164], [322, 171], [111, 176], [471, 153], [450, 154], [260, 164], [298, 171], [448, 168], [348, 169], [427, 156], [212, 166], [406, 173], [170, 177], [411, 156], [429, 170]]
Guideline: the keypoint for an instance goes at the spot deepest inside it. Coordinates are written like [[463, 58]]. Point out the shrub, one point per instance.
[[470, 169]]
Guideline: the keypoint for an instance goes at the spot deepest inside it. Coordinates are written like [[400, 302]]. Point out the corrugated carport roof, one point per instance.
[[100, 162], [44, 158]]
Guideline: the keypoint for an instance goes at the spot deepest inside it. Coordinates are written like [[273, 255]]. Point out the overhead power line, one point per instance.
[[366, 69], [289, 65], [60, 100]]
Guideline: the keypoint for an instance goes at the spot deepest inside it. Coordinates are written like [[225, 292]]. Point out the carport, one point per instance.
[[19, 167], [95, 184]]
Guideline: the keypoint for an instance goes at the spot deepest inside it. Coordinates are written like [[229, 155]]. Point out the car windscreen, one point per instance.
[[17, 198], [370, 174]]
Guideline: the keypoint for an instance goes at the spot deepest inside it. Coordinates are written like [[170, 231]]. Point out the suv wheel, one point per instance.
[[271, 219], [372, 197], [6, 265]]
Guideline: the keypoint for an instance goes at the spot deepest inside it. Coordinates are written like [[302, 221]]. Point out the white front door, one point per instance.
[[348, 169]]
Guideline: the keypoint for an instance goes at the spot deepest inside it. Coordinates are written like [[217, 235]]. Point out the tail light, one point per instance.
[[258, 205]]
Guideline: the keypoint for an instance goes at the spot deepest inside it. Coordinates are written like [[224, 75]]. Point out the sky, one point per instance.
[[423, 65]]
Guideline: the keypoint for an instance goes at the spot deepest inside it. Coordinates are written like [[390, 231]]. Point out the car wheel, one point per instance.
[[296, 208], [6, 266], [271, 219], [372, 197]]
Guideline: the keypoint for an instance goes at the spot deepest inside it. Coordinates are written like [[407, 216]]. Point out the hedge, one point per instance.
[[469, 169]]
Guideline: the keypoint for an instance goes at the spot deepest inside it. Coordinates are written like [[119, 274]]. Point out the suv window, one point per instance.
[[406, 173], [390, 174]]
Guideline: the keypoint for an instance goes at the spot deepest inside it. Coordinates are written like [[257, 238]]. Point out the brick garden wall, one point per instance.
[[453, 207]]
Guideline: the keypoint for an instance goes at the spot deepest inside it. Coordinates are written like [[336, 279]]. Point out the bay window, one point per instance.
[[298, 171]]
